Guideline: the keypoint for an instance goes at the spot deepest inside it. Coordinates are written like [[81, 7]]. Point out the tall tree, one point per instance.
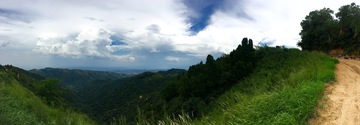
[[318, 30], [349, 19]]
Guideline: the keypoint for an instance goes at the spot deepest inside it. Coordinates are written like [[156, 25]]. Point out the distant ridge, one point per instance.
[[76, 78], [127, 71]]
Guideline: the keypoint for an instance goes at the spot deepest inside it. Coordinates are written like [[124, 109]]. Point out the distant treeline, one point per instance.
[[324, 31]]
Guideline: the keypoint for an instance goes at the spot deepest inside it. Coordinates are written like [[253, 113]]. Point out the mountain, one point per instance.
[[120, 70], [262, 85], [20, 102], [75, 78], [104, 96], [108, 99]]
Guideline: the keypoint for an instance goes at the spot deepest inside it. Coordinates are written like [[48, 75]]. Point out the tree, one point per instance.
[[318, 30], [204, 82], [321, 32], [210, 59], [349, 19]]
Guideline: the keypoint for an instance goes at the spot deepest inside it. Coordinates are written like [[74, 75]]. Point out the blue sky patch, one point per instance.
[[203, 9]]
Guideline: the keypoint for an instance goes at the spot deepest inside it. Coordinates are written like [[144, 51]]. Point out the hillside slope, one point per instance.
[[274, 86], [104, 96], [18, 105], [106, 100], [74, 78], [342, 98], [284, 88]]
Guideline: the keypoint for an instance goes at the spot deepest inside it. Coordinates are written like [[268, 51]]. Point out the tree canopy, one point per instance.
[[324, 31], [204, 82]]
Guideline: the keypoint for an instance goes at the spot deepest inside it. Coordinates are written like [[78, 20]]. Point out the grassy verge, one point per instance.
[[18, 106], [285, 89], [286, 94]]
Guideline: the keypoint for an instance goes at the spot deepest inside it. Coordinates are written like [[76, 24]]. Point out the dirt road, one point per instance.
[[342, 99]]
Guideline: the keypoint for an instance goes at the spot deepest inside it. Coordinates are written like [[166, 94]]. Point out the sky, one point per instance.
[[143, 34]]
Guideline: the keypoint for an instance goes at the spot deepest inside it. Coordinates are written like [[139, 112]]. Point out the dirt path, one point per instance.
[[343, 97]]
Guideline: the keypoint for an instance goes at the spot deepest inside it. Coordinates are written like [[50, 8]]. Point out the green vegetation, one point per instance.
[[106, 100], [262, 85], [248, 86], [19, 105], [49, 90], [204, 82], [284, 89], [322, 32], [71, 83], [74, 78]]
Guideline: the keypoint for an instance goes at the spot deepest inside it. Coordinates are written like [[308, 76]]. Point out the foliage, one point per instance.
[[106, 97], [20, 106], [51, 92], [322, 32], [74, 78], [248, 86], [127, 98], [71, 82], [204, 82], [284, 89]]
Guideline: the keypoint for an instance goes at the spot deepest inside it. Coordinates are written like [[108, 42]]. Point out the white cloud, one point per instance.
[[83, 28], [126, 58], [171, 58], [90, 42]]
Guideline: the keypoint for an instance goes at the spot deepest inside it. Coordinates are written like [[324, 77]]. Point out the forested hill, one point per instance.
[[108, 100], [261, 85], [250, 85], [74, 78], [27, 98], [340, 35]]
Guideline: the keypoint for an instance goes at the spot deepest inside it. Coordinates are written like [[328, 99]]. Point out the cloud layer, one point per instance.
[[88, 43], [147, 34]]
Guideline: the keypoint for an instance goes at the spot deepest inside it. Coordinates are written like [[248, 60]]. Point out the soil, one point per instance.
[[341, 103]]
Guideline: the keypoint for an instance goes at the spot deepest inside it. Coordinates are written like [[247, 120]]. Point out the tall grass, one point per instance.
[[286, 94], [18, 106], [284, 90]]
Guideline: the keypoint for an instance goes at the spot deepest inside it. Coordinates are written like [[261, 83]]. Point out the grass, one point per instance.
[[282, 91], [289, 95], [18, 105], [285, 89]]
